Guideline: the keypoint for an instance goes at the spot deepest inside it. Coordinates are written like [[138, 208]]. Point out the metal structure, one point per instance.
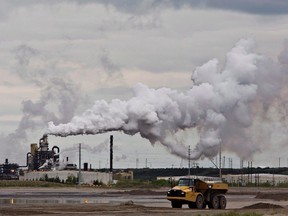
[[41, 158], [9, 171], [79, 169]]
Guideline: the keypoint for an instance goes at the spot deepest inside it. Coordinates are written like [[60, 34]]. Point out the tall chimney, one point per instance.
[[111, 153]]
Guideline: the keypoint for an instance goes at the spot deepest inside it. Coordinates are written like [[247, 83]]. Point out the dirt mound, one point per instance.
[[262, 206], [272, 196], [129, 203]]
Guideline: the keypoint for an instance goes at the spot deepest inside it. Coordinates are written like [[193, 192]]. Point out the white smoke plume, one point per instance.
[[35, 114], [97, 151], [102, 147], [226, 105]]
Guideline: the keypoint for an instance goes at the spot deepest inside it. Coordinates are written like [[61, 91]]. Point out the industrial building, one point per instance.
[[87, 177], [43, 162], [9, 171], [256, 179], [41, 158]]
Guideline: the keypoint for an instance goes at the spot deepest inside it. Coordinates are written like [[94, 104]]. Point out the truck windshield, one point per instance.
[[186, 182]]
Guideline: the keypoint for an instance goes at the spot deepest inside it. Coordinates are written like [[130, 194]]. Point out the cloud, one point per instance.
[[143, 7], [59, 98], [265, 7]]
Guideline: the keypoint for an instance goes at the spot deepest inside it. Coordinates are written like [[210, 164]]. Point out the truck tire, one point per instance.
[[176, 204], [199, 202], [214, 202], [222, 202]]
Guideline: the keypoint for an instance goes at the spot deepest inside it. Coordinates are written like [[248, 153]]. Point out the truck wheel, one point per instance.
[[214, 202], [199, 202], [222, 202], [176, 204]]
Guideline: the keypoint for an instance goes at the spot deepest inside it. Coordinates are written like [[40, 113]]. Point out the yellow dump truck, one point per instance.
[[198, 194]]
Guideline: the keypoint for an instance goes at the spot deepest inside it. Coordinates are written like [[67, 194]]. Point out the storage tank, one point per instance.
[[33, 148]]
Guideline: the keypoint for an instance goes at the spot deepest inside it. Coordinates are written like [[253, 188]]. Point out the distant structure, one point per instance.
[[9, 171], [41, 158], [111, 153]]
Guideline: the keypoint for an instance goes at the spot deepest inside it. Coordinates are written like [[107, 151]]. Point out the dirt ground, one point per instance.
[[87, 201]]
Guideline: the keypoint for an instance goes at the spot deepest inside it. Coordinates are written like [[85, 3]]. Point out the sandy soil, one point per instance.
[[87, 201]]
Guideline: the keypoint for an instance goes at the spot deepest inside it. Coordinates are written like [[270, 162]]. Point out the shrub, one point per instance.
[[71, 179], [97, 182]]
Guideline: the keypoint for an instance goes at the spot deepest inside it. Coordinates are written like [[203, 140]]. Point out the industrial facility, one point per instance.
[[9, 171], [43, 162], [41, 158]]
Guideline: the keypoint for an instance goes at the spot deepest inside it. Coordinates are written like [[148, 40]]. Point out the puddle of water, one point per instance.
[[42, 201], [79, 200]]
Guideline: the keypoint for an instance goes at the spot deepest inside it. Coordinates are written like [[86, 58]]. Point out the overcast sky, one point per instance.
[[58, 57]]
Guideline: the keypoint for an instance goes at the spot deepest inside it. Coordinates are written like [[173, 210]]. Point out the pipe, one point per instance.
[[27, 159], [56, 147]]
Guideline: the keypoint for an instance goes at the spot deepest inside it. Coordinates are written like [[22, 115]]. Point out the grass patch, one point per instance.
[[239, 214], [133, 184], [141, 184]]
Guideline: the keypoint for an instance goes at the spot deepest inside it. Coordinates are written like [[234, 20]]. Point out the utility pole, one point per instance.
[[220, 171], [189, 161], [137, 163], [241, 163], [79, 172]]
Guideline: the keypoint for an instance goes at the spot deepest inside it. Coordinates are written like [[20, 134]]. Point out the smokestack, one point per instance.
[[111, 153], [6, 161], [85, 166]]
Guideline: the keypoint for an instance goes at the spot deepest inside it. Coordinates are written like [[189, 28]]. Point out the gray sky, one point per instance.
[[58, 57]]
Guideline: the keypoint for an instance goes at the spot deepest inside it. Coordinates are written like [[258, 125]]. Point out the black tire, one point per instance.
[[176, 204], [222, 202], [199, 202], [214, 203]]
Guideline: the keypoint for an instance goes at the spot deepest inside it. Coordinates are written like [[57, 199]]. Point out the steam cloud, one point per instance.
[[101, 148], [228, 105], [96, 149], [35, 115]]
